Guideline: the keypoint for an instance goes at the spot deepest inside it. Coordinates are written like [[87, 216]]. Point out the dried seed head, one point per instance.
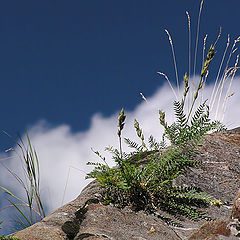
[[189, 21], [138, 130], [210, 56], [185, 79], [143, 97], [211, 53], [169, 36], [121, 119], [162, 118], [219, 35], [186, 87]]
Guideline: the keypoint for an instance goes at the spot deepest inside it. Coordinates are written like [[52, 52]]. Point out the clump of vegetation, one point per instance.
[[31, 210], [144, 178]]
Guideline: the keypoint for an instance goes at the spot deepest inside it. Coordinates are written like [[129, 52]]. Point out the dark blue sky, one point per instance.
[[63, 61]]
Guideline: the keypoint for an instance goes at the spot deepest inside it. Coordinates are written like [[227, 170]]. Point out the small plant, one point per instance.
[[143, 179], [32, 210]]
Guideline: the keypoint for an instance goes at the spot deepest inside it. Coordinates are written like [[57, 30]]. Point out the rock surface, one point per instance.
[[219, 175]]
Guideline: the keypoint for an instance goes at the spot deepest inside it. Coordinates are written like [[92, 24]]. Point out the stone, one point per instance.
[[219, 175]]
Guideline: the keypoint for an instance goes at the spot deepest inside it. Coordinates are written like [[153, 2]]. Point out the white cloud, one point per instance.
[[61, 151]]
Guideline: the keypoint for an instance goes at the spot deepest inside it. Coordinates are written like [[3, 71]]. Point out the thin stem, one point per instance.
[[203, 60], [196, 45], [228, 95], [166, 77], [120, 146], [220, 67], [189, 45], [222, 82], [195, 97], [174, 59], [189, 51], [229, 86]]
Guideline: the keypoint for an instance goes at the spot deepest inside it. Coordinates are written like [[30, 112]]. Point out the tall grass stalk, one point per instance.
[[217, 100], [232, 72], [166, 77], [203, 59], [66, 184], [196, 44], [228, 94], [121, 119], [30, 210], [219, 70], [189, 45], [228, 71], [174, 58]]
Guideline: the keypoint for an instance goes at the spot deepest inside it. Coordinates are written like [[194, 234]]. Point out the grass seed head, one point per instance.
[[138, 130], [185, 79], [162, 118], [210, 56], [121, 119]]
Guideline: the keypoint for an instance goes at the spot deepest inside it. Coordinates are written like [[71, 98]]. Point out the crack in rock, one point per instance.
[[71, 228]]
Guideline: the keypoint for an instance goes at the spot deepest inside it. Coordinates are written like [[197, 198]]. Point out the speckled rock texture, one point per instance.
[[218, 175]]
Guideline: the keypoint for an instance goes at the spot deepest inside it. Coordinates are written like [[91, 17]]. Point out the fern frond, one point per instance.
[[133, 144], [199, 112], [191, 195], [113, 151], [99, 155], [181, 118], [184, 209], [153, 144]]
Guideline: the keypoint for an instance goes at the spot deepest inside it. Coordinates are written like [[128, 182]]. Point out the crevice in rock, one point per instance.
[[71, 228]]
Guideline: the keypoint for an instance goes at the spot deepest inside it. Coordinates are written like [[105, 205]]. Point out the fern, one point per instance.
[[154, 145], [185, 201], [199, 112], [181, 118], [133, 145], [144, 178], [181, 131]]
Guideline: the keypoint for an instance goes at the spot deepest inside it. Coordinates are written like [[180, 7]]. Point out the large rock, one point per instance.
[[222, 228], [219, 175]]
